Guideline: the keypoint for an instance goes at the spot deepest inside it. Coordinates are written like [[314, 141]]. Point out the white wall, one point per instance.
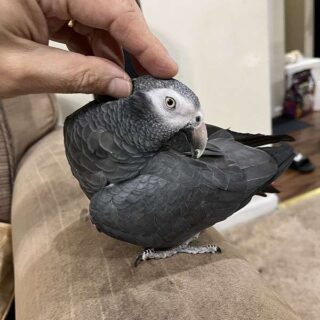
[[222, 47], [277, 54]]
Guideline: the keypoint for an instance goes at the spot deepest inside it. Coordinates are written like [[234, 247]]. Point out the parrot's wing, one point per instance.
[[181, 144], [174, 198], [260, 165], [252, 140], [98, 157]]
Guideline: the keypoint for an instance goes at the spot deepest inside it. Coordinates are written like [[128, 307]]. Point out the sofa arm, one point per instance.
[[23, 120], [28, 119], [65, 269]]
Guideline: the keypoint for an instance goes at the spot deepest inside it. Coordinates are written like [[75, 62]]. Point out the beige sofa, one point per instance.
[[65, 269]]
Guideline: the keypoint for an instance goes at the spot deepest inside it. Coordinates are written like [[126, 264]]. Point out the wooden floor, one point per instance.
[[293, 183]]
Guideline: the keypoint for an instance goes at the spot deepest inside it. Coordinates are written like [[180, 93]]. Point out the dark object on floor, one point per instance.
[[307, 142], [299, 97], [11, 314], [283, 125], [302, 164]]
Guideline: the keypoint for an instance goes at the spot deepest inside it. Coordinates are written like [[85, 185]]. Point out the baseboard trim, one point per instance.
[[299, 198], [258, 206]]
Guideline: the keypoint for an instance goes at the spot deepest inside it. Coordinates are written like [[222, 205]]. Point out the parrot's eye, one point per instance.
[[170, 102]]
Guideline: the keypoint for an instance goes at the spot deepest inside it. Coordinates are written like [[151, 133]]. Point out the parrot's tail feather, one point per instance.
[[225, 134], [271, 189], [256, 140], [267, 189], [248, 139], [283, 154]]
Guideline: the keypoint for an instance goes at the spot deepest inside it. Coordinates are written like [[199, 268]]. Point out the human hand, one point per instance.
[[95, 65]]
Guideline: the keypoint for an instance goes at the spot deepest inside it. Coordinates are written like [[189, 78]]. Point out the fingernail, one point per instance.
[[119, 88]]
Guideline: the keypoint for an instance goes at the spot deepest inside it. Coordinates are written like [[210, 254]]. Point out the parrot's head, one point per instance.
[[170, 108]]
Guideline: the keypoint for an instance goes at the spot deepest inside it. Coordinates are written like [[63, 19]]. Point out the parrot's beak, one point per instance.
[[198, 137]]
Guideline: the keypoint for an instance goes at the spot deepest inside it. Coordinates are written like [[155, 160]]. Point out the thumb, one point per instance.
[[47, 69]]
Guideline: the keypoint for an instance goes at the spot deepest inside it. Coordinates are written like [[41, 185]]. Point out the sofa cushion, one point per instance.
[[75, 272], [23, 120], [6, 270]]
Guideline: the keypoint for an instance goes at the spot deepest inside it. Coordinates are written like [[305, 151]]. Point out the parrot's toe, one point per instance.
[[149, 254], [211, 248]]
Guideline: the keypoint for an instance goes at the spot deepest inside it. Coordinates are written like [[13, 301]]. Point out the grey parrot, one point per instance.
[[157, 175]]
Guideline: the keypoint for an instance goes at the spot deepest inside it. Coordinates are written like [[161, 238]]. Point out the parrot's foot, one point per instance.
[[184, 248]]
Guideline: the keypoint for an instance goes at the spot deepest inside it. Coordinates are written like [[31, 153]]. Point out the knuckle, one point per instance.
[[122, 21], [85, 80], [119, 8]]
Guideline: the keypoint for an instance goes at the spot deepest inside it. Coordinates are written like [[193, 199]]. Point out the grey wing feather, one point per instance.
[[181, 144], [174, 198], [257, 166], [96, 155]]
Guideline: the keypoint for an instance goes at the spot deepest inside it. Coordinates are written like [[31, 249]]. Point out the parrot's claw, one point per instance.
[[144, 255], [184, 248]]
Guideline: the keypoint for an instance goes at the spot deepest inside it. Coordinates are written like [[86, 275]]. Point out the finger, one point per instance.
[[82, 29], [90, 41], [132, 33], [126, 24], [105, 46], [43, 69], [140, 70], [74, 41]]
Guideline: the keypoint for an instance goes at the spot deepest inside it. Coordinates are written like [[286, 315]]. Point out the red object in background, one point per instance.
[[299, 98]]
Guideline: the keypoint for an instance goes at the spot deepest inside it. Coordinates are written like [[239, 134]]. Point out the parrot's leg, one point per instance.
[[193, 238], [183, 248], [211, 248]]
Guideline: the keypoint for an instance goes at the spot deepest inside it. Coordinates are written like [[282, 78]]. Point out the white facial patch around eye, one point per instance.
[[178, 117]]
